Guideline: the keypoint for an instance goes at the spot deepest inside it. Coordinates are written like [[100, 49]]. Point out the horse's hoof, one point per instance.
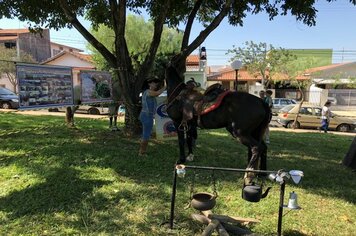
[[179, 162], [190, 157]]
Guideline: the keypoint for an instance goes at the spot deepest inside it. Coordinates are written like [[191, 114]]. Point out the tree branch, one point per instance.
[[72, 19], [188, 27], [156, 39], [181, 57]]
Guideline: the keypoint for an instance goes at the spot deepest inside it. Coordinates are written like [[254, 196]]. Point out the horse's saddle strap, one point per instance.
[[207, 107]]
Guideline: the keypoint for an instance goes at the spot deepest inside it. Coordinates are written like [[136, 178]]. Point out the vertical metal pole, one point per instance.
[[173, 198], [280, 213], [236, 79]]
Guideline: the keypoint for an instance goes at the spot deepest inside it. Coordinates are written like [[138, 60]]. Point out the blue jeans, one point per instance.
[[147, 125], [324, 124]]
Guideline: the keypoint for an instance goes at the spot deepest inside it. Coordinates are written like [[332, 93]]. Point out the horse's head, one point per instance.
[[173, 79]]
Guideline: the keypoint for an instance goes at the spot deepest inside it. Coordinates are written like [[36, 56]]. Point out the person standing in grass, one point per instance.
[[149, 105], [325, 116], [113, 113], [268, 100]]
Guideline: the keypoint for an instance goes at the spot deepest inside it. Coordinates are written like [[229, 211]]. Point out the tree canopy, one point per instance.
[[112, 13], [138, 46], [8, 59]]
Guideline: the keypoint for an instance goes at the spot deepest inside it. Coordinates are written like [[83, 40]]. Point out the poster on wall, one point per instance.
[[165, 128], [96, 86], [43, 86]]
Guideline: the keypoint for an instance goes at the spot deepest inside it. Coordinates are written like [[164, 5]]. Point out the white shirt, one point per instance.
[[325, 113]]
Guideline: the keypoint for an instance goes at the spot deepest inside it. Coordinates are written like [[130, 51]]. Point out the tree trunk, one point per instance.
[[350, 157], [300, 105], [132, 122], [70, 116]]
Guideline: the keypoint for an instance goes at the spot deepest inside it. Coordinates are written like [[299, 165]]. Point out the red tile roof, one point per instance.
[[84, 57], [192, 60], [229, 74], [321, 68], [14, 31]]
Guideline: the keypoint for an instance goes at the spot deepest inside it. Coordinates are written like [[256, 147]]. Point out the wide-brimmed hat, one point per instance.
[[153, 79]]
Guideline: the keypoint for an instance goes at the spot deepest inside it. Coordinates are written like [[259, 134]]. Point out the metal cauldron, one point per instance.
[[203, 201]]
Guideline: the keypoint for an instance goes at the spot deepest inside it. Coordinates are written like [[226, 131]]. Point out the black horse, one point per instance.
[[244, 115]]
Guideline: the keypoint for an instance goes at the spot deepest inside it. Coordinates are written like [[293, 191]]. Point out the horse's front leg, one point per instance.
[[181, 143], [191, 137]]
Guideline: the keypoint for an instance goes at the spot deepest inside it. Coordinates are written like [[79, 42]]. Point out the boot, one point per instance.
[[143, 148]]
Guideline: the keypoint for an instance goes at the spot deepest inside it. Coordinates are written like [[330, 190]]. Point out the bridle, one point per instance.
[[171, 98]]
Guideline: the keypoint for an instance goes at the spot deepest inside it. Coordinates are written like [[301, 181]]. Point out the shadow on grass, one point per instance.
[[293, 233], [63, 190], [59, 154]]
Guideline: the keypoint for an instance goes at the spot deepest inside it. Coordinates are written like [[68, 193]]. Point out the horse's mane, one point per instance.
[[172, 74]]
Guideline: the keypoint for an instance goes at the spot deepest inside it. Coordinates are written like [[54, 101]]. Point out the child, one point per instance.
[[113, 113]]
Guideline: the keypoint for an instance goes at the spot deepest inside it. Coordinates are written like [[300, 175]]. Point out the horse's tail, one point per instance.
[[261, 129], [268, 117]]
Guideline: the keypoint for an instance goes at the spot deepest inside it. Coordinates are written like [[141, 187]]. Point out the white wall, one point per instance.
[[199, 76], [4, 82], [72, 61]]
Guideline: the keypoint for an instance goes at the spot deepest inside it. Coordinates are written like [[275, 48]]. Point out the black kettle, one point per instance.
[[253, 192]]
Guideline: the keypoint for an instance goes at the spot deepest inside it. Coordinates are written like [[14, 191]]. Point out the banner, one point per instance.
[[164, 125], [42, 86], [95, 86]]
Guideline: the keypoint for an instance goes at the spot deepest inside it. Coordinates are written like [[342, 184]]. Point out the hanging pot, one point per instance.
[[203, 201], [253, 193]]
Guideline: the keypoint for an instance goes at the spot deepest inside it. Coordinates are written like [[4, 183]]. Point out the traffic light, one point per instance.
[[203, 54]]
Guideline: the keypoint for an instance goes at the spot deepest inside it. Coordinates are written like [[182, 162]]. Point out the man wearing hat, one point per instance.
[[149, 105]]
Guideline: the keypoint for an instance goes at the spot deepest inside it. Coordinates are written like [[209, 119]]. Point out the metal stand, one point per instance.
[[281, 205], [281, 198]]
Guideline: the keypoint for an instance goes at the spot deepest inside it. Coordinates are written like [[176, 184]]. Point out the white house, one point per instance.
[[77, 61], [57, 48]]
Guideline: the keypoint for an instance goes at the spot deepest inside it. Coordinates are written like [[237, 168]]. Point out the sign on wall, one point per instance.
[[165, 128], [43, 86], [95, 86]]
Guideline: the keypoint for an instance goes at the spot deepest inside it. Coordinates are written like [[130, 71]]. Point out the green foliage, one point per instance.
[[262, 59], [139, 35], [90, 181], [8, 59], [319, 57]]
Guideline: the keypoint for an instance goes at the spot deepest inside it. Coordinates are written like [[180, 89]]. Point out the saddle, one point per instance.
[[197, 104]]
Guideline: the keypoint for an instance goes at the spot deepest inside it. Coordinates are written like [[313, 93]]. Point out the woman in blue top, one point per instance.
[[149, 105]]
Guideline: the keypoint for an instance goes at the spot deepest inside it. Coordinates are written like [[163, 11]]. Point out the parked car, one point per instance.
[[310, 117], [8, 99], [89, 109], [279, 103]]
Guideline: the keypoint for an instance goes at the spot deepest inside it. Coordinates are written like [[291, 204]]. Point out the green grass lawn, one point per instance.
[[90, 181]]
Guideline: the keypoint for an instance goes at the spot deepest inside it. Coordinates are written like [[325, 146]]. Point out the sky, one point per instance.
[[335, 29]]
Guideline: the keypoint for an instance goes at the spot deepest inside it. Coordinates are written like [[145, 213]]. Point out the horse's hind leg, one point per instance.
[[263, 158], [190, 142], [254, 152]]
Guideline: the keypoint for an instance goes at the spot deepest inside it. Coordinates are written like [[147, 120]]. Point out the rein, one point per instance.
[[170, 100]]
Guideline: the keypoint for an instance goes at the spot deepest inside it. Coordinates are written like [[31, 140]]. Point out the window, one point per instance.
[[317, 111], [284, 102], [275, 101], [306, 111], [10, 45]]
